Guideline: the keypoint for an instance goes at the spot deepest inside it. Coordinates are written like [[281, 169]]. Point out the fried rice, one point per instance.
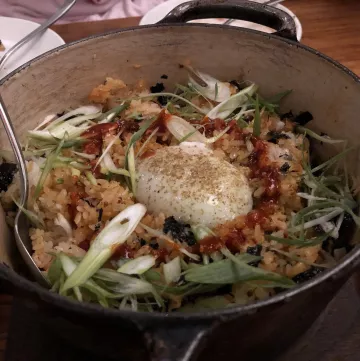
[[273, 161]]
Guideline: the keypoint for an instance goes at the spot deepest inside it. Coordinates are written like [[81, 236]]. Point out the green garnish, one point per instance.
[[216, 90], [187, 136], [114, 234], [60, 180], [299, 242], [48, 166], [229, 272], [112, 113], [257, 118], [310, 133]]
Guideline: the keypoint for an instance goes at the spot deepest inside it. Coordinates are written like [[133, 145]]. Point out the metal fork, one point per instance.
[[268, 3], [21, 227], [68, 4]]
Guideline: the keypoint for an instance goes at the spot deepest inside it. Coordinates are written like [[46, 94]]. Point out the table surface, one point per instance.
[[330, 26]]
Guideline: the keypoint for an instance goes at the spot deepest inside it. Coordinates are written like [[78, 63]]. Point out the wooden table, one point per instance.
[[330, 26]]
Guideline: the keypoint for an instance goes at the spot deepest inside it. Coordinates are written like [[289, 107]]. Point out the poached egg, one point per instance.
[[188, 182]]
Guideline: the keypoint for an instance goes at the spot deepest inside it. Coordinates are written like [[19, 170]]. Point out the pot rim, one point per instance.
[[350, 261]]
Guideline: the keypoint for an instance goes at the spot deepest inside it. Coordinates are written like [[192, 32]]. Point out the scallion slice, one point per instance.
[[113, 235], [138, 265]]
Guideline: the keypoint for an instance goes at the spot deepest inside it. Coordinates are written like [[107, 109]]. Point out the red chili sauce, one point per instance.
[[123, 251], [219, 125], [74, 197], [94, 136], [160, 122], [233, 241], [260, 168]]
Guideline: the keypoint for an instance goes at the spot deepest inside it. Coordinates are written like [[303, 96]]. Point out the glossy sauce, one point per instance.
[[74, 197], [99, 130], [233, 241], [160, 122], [95, 170], [160, 254], [219, 125], [260, 168], [94, 136], [123, 251], [85, 245]]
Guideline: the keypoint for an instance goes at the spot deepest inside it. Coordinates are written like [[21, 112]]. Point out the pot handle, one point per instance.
[[176, 343], [252, 11]]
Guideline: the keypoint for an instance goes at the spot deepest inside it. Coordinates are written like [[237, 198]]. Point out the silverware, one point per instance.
[[68, 4], [21, 227], [268, 3]]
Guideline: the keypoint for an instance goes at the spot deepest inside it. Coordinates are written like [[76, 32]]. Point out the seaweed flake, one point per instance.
[[285, 167], [7, 172], [274, 136], [154, 245], [164, 76], [303, 118], [179, 231], [307, 275], [236, 84], [254, 251], [288, 115], [157, 88], [162, 100]]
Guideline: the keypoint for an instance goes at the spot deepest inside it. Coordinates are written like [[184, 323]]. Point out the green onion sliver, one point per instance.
[[113, 235]]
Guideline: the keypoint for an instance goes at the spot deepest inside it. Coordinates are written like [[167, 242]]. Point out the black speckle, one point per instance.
[[288, 115], [303, 118], [158, 88], [163, 100], [254, 251], [100, 214], [236, 84], [154, 245], [60, 114], [179, 231], [142, 242], [97, 226], [181, 279], [323, 134], [285, 167], [346, 232], [164, 76], [274, 136], [278, 290], [248, 118], [307, 275], [7, 171]]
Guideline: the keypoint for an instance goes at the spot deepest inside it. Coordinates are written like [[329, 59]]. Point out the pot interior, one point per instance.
[[64, 78]]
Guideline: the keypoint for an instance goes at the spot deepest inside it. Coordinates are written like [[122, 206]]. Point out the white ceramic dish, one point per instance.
[[160, 11], [12, 30]]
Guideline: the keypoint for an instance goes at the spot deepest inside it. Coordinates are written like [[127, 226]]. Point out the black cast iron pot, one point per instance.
[[64, 77]]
